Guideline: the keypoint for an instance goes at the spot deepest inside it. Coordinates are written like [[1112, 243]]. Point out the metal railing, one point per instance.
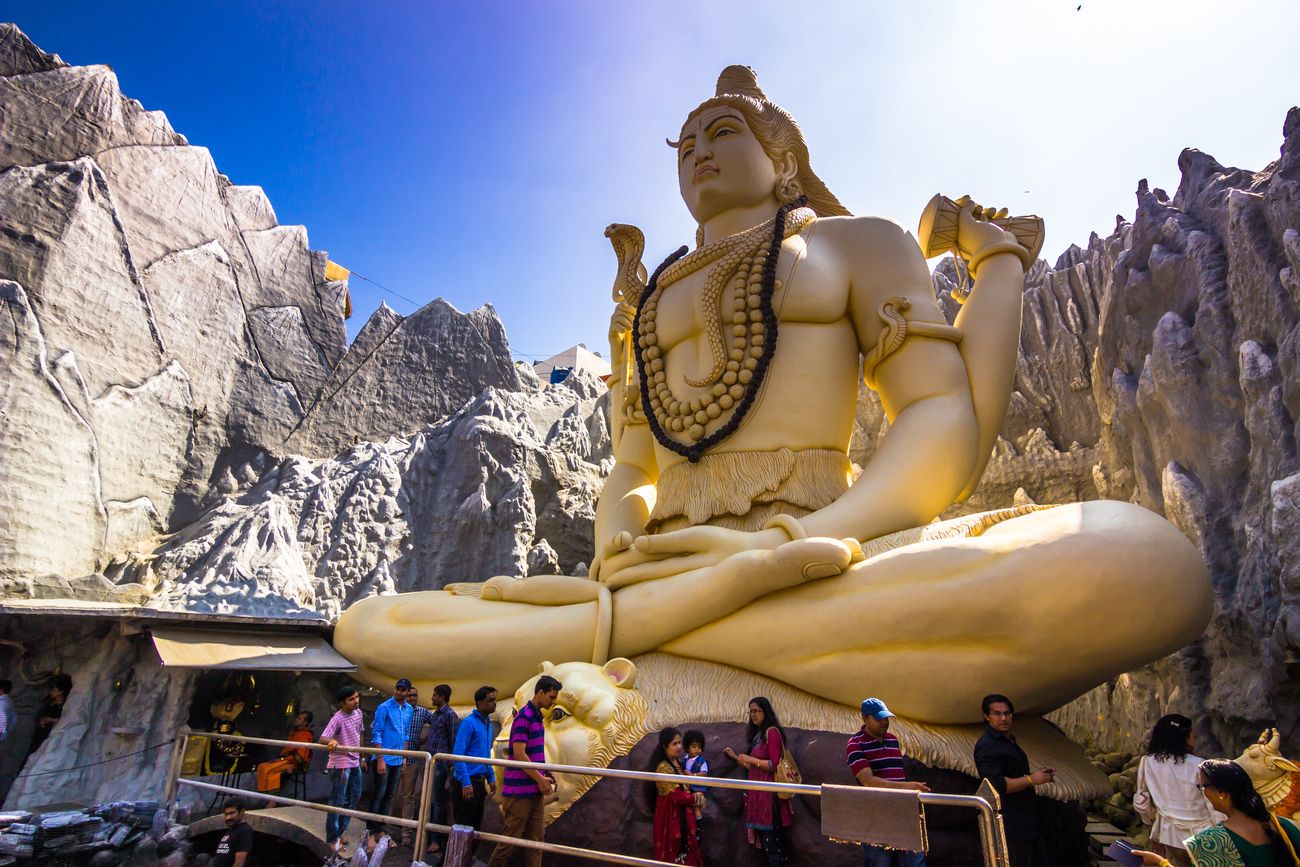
[[175, 779], [992, 839]]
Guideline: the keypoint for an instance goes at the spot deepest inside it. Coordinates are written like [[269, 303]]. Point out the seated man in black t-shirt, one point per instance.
[[236, 846]]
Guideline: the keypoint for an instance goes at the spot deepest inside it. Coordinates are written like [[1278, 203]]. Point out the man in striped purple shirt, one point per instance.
[[524, 791], [876, 759]]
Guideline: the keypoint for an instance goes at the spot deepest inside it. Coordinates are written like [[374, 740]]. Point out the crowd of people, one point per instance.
[[1196, 807], [1205, 812], [459, 791]]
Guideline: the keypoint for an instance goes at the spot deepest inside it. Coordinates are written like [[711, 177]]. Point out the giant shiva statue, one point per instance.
[[734, 531]]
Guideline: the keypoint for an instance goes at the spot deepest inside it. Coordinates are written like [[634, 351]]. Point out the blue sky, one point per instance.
[[476, 151]]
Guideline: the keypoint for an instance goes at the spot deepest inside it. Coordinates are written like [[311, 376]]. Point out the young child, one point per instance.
[[695, 764]]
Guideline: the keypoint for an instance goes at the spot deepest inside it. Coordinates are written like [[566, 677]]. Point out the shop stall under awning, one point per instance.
[[217, 649]]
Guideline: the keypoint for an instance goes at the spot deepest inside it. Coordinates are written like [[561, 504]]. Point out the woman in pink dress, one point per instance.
[[766, 815]]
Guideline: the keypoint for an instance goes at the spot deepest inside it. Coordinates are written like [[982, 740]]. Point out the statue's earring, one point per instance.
[[787, 190]]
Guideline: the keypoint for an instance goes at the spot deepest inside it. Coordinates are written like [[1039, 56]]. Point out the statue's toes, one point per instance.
[[498, 588], [814, 571]]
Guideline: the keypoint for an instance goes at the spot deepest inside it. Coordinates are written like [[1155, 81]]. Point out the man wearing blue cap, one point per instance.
[[875, 758]]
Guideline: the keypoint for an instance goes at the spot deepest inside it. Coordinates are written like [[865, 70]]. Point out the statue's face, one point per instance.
[[722, 165]]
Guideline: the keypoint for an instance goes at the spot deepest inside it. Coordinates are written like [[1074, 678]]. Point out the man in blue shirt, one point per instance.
[[391, 726], [474, 782]]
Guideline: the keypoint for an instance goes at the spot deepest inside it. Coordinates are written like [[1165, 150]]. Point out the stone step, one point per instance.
[[1100, 826]]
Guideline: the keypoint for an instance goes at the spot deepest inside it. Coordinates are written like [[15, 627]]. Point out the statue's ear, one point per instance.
[[545, 667], [787, 166], [621, 671]]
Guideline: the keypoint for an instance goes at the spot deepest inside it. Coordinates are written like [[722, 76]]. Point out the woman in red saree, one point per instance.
[[766, 815], [675, 804]]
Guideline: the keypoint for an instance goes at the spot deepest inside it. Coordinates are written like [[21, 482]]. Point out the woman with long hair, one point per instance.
[[1249, 837], [675, 805], [766, 815], [1166, 796]]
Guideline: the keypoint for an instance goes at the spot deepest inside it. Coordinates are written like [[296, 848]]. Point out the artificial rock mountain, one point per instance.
[[185, 427]]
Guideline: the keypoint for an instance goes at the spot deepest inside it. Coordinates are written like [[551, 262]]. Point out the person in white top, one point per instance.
[[1166, 796]]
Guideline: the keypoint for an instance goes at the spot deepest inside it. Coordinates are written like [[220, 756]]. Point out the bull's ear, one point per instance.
[[621, 671], [545, 667]]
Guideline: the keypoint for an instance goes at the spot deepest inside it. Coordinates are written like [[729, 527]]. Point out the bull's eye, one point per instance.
[[558, 714]]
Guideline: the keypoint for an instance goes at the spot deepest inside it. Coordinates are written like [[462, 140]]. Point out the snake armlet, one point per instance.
[[897, 329]]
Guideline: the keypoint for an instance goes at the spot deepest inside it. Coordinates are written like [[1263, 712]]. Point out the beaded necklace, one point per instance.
[[737, 373]]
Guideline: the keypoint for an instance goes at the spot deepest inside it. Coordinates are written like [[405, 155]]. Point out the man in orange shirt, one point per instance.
[[293, 760]]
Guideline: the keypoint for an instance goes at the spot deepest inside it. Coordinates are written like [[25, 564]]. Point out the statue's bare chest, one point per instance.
[[811, 288]]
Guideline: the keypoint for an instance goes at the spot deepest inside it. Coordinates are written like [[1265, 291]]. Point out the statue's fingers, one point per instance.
[[658, 569], [617, 543], [630, 557], [963, 201], [1001, 214], [684, 541]]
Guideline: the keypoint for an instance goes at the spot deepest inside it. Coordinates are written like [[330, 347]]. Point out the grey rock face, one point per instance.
[[479, 494], [122, 701], [403, 373], [1192, 378], [19, 56], [165, 330]]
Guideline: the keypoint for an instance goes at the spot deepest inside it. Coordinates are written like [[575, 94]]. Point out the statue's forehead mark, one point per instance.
[[707, 118]]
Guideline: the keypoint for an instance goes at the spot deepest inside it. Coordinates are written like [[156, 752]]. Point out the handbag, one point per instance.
[[786, 772]]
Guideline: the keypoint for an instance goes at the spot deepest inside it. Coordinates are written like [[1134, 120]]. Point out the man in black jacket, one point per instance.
[[1002, 762]]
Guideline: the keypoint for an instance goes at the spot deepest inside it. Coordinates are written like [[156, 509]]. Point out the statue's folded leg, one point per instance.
[[436, 637], [1041, 607], [498, 631]]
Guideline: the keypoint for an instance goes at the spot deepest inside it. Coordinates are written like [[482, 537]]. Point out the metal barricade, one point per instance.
[[174, 779], [992, 838]]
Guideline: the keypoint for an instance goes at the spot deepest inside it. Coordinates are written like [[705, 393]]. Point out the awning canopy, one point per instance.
[[246, 651]]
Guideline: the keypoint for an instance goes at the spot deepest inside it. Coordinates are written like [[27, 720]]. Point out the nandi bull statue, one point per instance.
[[1277, 779]]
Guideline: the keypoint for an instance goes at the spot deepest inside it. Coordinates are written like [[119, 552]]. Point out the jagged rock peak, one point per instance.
[[402, 373], [18, 56]]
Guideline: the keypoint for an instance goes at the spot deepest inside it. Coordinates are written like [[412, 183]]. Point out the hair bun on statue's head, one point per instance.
[[740, 80]]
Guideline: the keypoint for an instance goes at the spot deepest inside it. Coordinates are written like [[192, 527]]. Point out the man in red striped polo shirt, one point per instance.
[[524, 791], [875, 758]]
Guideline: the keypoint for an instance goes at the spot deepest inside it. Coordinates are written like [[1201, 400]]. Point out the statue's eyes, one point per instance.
[[558, 714], [726, 130], [687, 151]]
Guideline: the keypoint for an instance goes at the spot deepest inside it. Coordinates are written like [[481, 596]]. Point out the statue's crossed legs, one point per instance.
[[1042, 606]]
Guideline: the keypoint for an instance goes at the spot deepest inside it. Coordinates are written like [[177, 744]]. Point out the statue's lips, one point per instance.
[[703, 172]]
